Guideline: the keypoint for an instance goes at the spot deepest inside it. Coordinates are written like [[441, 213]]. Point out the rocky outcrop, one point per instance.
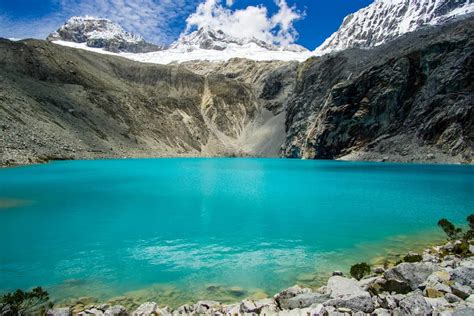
[[341, 295], [408, 100], [212, 39], [385, 20], [101, 33], [62, 103]]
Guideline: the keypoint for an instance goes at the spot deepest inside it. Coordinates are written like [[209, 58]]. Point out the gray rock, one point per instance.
[[318, 309], [415, 304], [463, 291], [463, 311], [451, 298], [464, 275], [368, 282], [337, 272], [203, 307], [91, 311], [116, 310], [346, 293], [338, 286], [183, 310], [306, 300], [250, 306], [358, 303], [439, 303], [233, 309], [146, 309], [282, 298], [381, 312], [411, 274], [60, 311], [389, 301]]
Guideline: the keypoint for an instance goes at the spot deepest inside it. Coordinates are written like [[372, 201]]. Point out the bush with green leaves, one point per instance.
[[412, 257], [449, 229], [19, 302], [359, 270], [454, 232]]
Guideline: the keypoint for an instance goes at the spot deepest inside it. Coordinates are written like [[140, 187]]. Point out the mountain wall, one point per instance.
[[385, 20], [408, 100], [63, 103], [101, 33]]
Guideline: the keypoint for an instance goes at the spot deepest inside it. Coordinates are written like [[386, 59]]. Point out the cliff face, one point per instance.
[[409, 100], [101, 33], [58, 102], [385, 20]]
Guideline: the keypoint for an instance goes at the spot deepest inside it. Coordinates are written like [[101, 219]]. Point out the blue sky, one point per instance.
[[306, 22]]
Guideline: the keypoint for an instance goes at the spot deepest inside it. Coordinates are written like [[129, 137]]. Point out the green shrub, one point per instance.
[[470, 233], [454, 232], [412, 257], [20, 300], [450, 230], [359, 270], [461, 248]]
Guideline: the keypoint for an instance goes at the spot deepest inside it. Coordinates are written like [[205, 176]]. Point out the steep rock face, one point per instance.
[[408, 100], [101, 33], [58, 102], [385, 20], [411, 99], [210, 39]]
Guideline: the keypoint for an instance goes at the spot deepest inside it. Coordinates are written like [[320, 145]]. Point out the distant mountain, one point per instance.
[[210, 39], [385, 20], [101, 33]]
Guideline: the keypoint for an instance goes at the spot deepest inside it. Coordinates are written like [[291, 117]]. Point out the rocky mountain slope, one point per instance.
[[63, 103], [101, 33], [384, 20], [208, 38], [408, 100]]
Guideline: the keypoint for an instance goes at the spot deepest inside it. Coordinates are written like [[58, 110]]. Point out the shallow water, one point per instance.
[[176, 230]]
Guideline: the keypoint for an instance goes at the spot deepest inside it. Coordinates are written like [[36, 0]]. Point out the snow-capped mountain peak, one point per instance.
[[384, 20], [210, 39], [101, 33]]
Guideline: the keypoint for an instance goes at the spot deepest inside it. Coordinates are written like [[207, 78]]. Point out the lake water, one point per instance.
[[177, 230]]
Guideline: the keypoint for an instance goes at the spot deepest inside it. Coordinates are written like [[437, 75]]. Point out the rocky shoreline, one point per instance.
[[440, 281]]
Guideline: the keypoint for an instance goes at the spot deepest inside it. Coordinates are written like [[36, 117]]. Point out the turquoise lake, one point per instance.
[[177, 230]]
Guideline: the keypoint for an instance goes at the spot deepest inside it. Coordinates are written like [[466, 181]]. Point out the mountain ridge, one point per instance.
[[385, 20], [101, 33], [208, 38], [399, 102]]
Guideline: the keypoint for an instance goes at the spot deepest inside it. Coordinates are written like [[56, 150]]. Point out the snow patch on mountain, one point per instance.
[[385, 20], [211, 45], [210, 39], [101, 33], [248, 51]]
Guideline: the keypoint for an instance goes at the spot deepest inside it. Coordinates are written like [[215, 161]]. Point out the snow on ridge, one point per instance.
[[210, 39], [384, 20], [378, 23], [91, 28], [248, 51]]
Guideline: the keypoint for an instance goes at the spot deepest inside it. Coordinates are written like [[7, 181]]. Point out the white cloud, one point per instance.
[[159, 21], [252, 21]]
